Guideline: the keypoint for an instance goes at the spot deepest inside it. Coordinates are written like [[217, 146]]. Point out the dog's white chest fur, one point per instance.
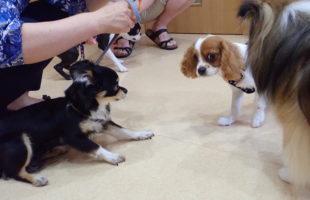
[[102, 113]]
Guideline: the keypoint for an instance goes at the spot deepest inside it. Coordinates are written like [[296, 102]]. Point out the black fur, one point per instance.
[[56, 122], [251, 9], [69, 57]]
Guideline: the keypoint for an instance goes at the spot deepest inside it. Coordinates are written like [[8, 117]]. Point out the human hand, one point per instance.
[[91, 41], [114, 17]]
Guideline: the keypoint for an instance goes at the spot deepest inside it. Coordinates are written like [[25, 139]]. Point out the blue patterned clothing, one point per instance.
[[10, 27]]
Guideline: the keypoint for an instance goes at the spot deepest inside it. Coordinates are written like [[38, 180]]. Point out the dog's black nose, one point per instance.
[[202, 71], [248, 90], [124, 90]]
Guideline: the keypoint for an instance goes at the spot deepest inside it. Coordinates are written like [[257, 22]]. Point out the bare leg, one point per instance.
[[23, 101], [173, 9]]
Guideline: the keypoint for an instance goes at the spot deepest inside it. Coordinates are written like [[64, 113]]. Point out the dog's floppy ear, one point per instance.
[[82, 71], [189, 63], [231, 61]]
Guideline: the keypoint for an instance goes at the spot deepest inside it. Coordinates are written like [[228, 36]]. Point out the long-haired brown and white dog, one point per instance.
[[279, 54], [215, 55]]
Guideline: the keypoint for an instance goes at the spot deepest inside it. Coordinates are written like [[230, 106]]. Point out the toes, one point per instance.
[[145, 135], [40, 181], [284, 175], [115, 159], [225, 121], [257, 123]]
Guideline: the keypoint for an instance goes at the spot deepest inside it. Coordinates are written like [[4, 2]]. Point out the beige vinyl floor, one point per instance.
[[190, 157]]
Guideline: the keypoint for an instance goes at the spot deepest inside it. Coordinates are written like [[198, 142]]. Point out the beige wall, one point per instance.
[[213, 16]]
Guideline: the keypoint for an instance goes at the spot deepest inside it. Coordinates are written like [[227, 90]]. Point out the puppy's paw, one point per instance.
[[225, 121], [122, 68], [114, 158], [258, 119], [40, 181], [284, 174], [143, 135]]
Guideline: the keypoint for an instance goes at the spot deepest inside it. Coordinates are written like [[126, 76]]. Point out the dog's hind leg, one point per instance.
[[259, 114], [124, 134], [23, 174], [15, 157], [237, 97]]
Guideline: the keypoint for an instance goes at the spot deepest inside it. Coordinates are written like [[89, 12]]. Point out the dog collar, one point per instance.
[[70, 105], [245, 90]]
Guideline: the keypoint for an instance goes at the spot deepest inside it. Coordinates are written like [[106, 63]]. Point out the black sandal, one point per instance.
[[164, 44], [127, 49]]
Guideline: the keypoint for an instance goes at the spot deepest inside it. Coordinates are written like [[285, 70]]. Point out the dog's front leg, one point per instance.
[[259, 114], [124, 134], [82, 143], [116, 61], [237, 97]]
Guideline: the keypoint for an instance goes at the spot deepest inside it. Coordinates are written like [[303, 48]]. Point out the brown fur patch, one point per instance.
[[189, 63], [232, 62], [89, 126]]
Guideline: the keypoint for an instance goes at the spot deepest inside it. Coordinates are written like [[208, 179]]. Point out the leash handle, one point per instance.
[[135, 10]]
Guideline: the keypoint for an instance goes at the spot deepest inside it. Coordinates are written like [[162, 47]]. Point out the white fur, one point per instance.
[[101, 113], [116, 61], [103, 154], [292, 10], [125, 134], [201, 63], [237, 95]]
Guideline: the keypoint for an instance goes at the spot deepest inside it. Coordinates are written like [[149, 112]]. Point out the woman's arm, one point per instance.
[[44, 40]]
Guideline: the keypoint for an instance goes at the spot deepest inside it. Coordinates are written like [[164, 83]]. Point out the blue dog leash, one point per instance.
[[135, 10], [138, 19]]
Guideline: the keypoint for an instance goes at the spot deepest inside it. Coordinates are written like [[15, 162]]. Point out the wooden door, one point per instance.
[[209, 16]]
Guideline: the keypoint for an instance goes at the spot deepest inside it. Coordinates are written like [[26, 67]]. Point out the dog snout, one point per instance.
[[124, 90], [202, 71]]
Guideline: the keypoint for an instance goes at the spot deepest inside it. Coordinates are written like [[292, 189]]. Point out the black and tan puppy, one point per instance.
[[28, 134]]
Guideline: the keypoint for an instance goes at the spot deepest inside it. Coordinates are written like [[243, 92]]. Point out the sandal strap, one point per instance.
[[119, 38], [157, 33], [164, 44], [127, 49]]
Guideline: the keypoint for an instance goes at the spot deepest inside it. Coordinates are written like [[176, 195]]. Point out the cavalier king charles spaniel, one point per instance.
[[279, 54], [214, 55]]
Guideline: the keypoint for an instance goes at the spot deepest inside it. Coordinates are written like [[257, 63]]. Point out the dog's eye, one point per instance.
[[195, 57], [211, 57]]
